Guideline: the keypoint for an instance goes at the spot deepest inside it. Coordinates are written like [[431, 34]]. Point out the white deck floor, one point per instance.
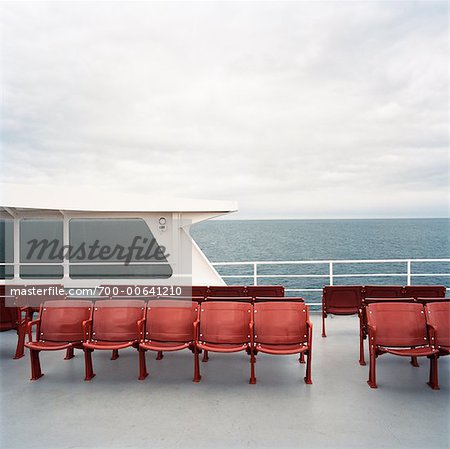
[[168, 410]]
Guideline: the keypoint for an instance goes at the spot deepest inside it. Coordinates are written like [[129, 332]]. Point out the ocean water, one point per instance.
[[273, 240]]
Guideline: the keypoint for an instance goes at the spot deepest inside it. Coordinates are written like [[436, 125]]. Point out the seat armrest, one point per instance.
[[30, 324], [196, 327], [22, 319], [372, 331], [87, 329], [141, 328], [309, 326], [251, 325], [432, 335]]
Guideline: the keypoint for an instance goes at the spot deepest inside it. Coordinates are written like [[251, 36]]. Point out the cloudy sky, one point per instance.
[[293, 109]]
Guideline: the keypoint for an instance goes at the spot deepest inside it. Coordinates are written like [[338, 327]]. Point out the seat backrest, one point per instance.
[[425, 291], [427, 300], [342, 298], [225, 322], [229, 298], [42, 293], [8, 315], [199, 290], [386, 300], [398, 324], [121, 291], [227, 290], [171, 320], [185, 291], [280, 322], [383, 291], [438, 315], [62, 321], [116, 320], [279, 299], [265, 290]]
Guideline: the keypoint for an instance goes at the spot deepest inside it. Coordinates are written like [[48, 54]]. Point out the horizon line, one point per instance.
[[222, 218]]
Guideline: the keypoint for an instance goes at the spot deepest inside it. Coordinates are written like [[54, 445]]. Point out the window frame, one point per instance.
[[172, 238]]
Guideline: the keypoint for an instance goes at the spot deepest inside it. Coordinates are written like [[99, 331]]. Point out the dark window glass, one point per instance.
[[41, 272], [108, 241], [41, 242], [6, 241], [85, 271], [6, 248]]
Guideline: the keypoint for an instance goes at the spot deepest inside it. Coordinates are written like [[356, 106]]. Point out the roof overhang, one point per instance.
[[17, 197]]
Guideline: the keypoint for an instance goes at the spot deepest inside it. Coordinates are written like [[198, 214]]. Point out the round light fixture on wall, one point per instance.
[[162, 223]]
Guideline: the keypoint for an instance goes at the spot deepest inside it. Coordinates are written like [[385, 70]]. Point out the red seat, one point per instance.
[[114, 325], [273, 291], [248, 299], [375, 293], [227, 290], [438, 318], [26, 313], [363, 324], [281, 328], [59, 326], [169, 326], [340, 300], [424, 291], [223, 326], [284, 299], [190, 298], [399, 328]]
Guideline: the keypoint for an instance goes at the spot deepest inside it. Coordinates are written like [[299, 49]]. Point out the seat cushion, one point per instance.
[[223, 347], [333, 310], [109, 345], [282, 349], [410, 352], [50, 345], [164, 346]]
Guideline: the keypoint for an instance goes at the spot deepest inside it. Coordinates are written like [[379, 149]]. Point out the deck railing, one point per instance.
[[407, 270]]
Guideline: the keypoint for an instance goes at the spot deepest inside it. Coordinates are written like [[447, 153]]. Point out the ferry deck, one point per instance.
[[167, 410]]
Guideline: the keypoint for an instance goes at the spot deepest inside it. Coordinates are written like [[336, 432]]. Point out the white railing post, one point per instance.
[[331, 273], [408, 272], [255, 274]]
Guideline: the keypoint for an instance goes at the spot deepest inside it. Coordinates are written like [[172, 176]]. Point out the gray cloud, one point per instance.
[[294, 109]]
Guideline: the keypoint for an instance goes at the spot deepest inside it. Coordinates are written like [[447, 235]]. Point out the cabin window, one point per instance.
[[41, 249], [6, 249], [115, 248]]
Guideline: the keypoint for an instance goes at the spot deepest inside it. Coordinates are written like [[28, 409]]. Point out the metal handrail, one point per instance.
[[330, 275]]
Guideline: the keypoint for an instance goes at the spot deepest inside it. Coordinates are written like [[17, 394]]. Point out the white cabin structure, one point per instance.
[[33, 217]]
